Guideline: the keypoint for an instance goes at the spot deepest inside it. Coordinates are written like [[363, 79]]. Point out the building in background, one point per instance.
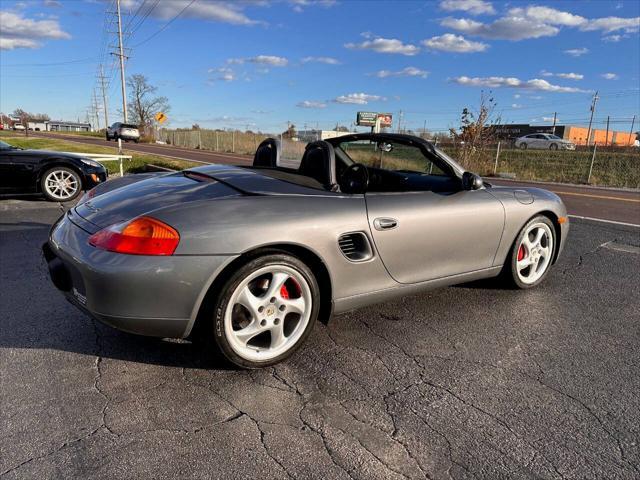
[[573, 133], [313, 135], [62, 126]]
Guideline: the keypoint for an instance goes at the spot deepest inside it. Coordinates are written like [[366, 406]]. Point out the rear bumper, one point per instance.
[[146, 295]]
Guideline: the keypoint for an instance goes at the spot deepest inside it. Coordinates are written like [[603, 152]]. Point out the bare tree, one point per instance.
[[477, 130], [143, 104]]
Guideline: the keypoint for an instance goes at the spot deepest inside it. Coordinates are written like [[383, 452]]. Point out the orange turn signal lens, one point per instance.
[[562, 220]]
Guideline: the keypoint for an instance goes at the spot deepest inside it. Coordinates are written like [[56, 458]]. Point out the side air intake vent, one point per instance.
[[355, 246]]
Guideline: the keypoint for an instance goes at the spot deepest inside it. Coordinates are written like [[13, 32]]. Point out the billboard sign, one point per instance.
[[368, 119]]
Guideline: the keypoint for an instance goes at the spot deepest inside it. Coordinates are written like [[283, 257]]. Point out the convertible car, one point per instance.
[[251, 256]]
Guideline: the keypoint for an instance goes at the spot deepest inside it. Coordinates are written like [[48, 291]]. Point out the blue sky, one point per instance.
[[259, 64]]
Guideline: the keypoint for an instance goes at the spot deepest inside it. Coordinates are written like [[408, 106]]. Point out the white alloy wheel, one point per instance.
[[268, 313], [534, 254], [61, 184]]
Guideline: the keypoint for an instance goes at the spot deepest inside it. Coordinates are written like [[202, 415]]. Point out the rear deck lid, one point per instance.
[[149, 194]]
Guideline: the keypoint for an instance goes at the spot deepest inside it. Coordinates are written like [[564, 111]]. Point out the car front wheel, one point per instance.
[[61, 184], [266, 310], [532, 253], [523, 146], [553, 146]]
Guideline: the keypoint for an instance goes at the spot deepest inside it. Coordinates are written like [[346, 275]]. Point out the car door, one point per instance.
[[422, 236], [17, 171]]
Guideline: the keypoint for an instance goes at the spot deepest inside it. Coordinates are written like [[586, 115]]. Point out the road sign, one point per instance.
[[161, 117]]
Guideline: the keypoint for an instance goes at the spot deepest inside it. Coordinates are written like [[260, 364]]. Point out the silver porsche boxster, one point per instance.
[[251, 256]]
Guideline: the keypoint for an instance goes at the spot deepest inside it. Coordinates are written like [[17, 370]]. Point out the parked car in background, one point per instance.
[[19, 126], [59, 176], [124, 131], [544, 141]]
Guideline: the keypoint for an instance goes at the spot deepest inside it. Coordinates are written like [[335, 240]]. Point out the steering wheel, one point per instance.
[[355, 179]]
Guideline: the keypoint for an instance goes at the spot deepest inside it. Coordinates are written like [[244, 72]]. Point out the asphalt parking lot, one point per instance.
[[462, 382]]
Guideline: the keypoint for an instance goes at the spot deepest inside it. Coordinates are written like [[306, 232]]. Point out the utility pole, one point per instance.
[[555, 117], [606, 137], [104, 97], [399, 120], [633, 121], [96, 110], [121, 55], [593, 109]]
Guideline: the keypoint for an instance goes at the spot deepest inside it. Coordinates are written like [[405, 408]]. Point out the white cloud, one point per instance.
[[577, 52], [216, 11], [327, 60], [385, 45], [298, 5], [550, 119], [52, 3], [611, 24], [311, 104], [270, 60], [537, 21], [609, 76], [516, 105], [568, 76], [224, 73], [513, 82], [17, 31], [454, 43], [405, 72], [517, 95], [358, 98], [505, 28], [612, 38], [474, 7], [550, 16]]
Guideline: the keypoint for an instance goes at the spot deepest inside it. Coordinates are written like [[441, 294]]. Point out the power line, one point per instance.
[[166, 24]]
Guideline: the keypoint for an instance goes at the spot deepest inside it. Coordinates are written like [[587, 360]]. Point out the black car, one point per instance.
[[59, 176]]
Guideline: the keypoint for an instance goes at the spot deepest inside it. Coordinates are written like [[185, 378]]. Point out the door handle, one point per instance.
[[385, 223]]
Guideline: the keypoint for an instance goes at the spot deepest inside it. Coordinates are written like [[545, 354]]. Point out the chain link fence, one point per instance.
[[602, 166]]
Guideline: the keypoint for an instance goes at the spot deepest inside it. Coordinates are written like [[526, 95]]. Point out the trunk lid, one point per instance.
[[149, 194]]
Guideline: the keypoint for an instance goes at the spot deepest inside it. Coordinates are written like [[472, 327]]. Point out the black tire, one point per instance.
[[523, 146], [510, 273], [62, 171], [107, 137], [553, 146], [137, 140], [226, 292]]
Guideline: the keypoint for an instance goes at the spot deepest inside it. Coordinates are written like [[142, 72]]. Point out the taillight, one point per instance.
[[141, 236]]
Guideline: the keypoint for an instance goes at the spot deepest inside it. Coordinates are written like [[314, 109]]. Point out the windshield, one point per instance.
[[6, 146], [389, 156], [128, 125]]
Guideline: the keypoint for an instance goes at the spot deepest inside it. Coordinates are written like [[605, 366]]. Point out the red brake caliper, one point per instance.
[[284, 293], [521, 253]]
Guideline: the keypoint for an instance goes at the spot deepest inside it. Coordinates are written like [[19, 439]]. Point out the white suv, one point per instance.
[[124, 131]]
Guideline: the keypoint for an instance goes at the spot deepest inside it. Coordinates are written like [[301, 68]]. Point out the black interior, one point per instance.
[[323, 167], [319, 163], [267, 154]]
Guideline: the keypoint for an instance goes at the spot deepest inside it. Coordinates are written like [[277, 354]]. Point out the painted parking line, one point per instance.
[[604, 221]]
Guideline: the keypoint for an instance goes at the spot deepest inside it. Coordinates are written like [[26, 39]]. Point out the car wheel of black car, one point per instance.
[[61, 184], [532, 254], [266, 310], [107, 137]]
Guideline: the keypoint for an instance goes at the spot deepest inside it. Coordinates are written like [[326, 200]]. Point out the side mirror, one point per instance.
[[471, 181]]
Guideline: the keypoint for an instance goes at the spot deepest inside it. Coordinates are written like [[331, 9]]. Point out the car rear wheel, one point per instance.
[[532, 253], [61, 184], [523, 146], [266, 310], [553, 146]]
